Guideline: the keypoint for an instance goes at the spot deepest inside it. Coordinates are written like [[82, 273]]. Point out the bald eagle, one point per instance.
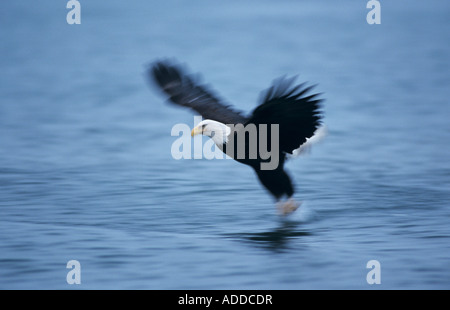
[[286, 122]]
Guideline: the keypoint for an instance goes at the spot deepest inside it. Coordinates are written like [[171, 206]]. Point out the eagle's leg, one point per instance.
[[288, 206]]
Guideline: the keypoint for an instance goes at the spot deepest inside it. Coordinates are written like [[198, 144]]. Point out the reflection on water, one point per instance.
[[277, 239]]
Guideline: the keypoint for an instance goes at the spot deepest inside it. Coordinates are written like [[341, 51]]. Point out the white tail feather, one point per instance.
[[318, 136]]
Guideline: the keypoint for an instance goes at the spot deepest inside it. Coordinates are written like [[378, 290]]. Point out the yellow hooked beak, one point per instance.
[[196, 131]]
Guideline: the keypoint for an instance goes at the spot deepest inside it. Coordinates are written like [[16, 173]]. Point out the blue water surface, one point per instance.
[[86, 171]]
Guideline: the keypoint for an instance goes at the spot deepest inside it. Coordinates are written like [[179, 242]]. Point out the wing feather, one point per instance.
[[286, 104], [186, 90]]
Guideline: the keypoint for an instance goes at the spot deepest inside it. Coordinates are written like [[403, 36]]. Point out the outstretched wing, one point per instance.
[[297, 113], [185, 91]]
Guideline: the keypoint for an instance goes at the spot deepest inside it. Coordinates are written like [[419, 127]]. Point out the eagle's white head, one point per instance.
[[215, 130]]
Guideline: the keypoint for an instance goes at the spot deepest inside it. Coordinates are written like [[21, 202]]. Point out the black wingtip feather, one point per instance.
[[186, 90], [298, 116], [166, 75]]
